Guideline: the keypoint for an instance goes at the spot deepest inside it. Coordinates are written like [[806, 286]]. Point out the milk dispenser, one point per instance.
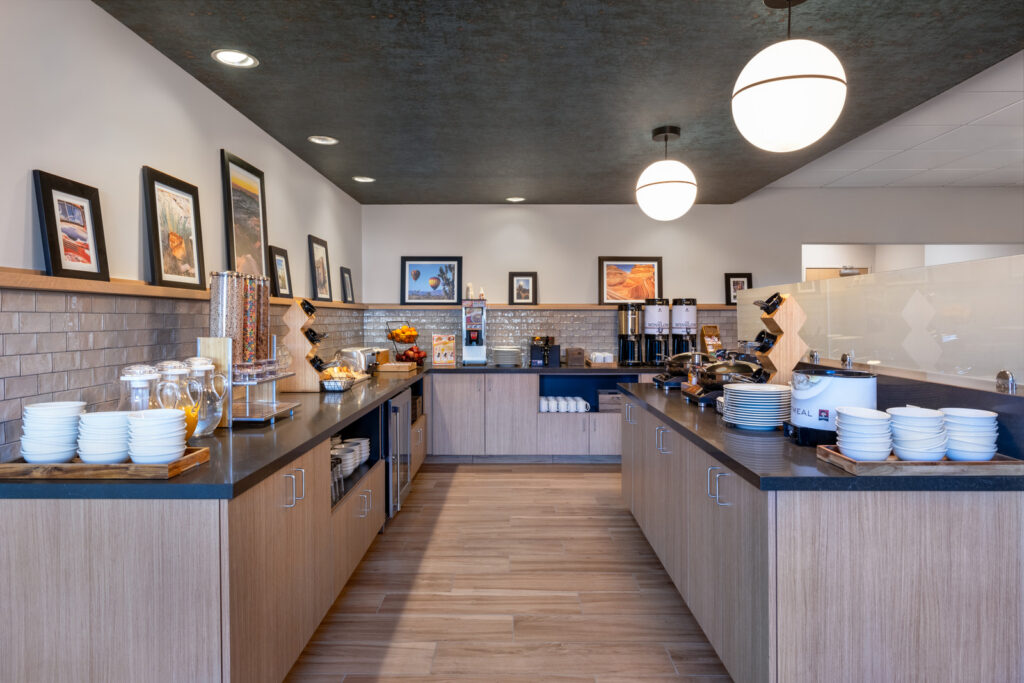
[[684, 325], [656, 331]]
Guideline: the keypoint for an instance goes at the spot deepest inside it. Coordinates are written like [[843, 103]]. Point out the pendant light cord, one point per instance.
[[666, 146], [789, 18]]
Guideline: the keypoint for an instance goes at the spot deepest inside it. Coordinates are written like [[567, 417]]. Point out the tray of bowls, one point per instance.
[[907, 441], [62, 441]]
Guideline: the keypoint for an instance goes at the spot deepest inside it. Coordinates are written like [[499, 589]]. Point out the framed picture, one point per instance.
[[431, 280], [72, 227], [522, 289], [320, 268], [280, 273], [736, 283], [245, 215], [175, 233], [628, 279], [348, 294]]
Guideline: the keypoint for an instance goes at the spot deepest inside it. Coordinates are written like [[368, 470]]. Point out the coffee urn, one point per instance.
[[656, 331], [684, 325], [630, 335]]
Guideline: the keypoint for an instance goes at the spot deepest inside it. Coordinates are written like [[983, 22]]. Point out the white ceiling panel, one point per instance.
[[872, 178], [896, 138], [1012, 115], [846, 159], [937, 177], [956, 111], [810, 176], [1006, 76], [919, 159], [1010, 175], [988, 160], [971, 138]]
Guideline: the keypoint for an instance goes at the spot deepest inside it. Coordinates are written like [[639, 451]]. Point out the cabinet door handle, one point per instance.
[[629, 413], [303, 496], [718, 488], [369, 503], [715, 496], [365, 511], [294, 499]]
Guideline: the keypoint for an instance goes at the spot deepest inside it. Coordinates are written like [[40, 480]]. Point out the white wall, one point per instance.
[[761, 234], [837, 256], [85, 98], [937, 254]]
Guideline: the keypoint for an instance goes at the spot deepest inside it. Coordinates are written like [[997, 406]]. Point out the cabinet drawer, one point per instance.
[[563, 433]]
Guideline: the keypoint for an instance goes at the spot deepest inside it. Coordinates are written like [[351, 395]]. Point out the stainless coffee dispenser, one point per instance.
[[656, 331], [630, 334], [684, 325]]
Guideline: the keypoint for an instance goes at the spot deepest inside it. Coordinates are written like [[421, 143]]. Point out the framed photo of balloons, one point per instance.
[[431, 280]]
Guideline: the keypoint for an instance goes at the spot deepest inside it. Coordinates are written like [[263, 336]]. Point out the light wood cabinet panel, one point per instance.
[[457, 417], [628, 428], [511, 413], [341, 543], [420, 438], [700, 543], [366, 512], [313, 529], [605, 433], [564, 433]]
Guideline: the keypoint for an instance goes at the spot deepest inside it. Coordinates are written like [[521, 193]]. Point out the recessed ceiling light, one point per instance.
[[322, 140], [363, 179], [237, 58], [515, 200]]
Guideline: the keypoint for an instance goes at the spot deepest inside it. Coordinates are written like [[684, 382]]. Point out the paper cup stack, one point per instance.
[[156, 436], [103, 438], [972, 433], [917, 433], [49, 431], [863, 433]]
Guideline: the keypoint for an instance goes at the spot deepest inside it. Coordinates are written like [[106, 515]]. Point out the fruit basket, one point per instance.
[[401, 332]]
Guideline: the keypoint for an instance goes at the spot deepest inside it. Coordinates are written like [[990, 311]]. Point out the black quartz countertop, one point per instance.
[[561, 370], [772, 462], [241, 457]]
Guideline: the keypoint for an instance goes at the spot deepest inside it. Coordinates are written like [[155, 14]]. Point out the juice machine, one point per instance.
[[684, 325], [474, 332], [656, 331]]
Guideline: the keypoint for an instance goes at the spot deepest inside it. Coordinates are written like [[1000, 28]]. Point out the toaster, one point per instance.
[[361, 358]]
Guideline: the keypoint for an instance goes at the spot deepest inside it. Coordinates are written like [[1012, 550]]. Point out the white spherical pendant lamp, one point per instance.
[[789, 95], [666, 189]]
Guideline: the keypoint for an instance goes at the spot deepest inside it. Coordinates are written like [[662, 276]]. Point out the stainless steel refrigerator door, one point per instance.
[[399, 449]]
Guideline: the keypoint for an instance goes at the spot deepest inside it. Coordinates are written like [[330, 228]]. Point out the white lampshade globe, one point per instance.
[[789, 95], [666, 190]]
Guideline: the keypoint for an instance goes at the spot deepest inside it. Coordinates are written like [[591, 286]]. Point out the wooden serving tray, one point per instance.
[[1000, 465], [592, 364], [397, 366], [76, 469]]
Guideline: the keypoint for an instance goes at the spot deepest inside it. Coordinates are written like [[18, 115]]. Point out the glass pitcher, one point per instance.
[[140, 388], [177, 390], [211, 402]]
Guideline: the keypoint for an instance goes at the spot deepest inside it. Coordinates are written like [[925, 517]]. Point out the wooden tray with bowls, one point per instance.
[[76, 469], [1000, 466], [592, 364]]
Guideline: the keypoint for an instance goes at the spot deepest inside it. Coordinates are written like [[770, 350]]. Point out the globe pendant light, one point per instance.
[[666, 189], [790, 94]]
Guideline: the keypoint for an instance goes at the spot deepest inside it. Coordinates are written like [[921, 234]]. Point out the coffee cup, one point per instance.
[[563, 405], [582, 406], [545, 404]]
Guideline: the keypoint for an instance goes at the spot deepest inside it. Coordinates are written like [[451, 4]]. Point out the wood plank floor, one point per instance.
[[512, 574]]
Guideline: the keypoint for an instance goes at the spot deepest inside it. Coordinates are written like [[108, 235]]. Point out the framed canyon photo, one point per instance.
[[628, 279], [175, 233], [522, 289], [72, 227], [736, 283], [431, 280], [280, 272], [245, 215], [320, 269]]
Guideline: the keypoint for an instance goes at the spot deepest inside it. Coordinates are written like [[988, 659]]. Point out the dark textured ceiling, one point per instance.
[[472, 101]]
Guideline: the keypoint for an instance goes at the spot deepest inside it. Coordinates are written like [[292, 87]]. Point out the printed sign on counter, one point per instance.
[[443, 349]]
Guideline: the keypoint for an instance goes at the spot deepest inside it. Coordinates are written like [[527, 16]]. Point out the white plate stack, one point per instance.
[[761, 407], [863, 433], [917, 433], [49, 431], [972, 433], [507, 355], [156, 437], [363, 444], [103, 438]]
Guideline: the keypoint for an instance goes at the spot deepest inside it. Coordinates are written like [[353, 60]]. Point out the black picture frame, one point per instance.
[[276, 275], [241, 242], [730, 293], [415, 267], [632, 261], [61, 233], [155, 198], [513, 300], [348, 292], [318, 293]]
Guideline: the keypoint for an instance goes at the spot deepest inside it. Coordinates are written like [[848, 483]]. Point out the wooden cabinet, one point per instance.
[[457, 414], [313, 530], [365, 512], [419, 443], [628, 431], [511, 413], [564, 433], [605, 433]]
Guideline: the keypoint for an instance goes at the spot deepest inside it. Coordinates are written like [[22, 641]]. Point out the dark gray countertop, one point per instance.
[[561, 370], [771, 462]]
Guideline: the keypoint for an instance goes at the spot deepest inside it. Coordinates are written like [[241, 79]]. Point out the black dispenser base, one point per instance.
[[806, 436]]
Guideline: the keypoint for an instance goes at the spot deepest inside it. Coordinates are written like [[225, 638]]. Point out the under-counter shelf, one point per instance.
[[261, 380], [351, 480]]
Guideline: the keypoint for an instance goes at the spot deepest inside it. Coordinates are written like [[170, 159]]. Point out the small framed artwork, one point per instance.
[[736, 283], [280, 273], [522, 289], [175, 233], [628, 279], [320, 268], [245, 215], [431, 280], [348, 295], [72, 227]]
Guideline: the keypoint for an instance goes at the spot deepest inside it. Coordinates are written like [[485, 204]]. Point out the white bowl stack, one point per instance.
[[103, 438], [761, 407], [972, 433], [349, 458], [49, 431], [362, 443], [156, 436], [863, 433], [917, 433]]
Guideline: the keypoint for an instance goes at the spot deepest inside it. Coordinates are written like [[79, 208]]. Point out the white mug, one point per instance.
[[571, 405], [563, 405], [582, 406], [544, 404]]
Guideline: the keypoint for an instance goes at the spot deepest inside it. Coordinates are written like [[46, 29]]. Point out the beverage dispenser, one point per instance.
[[656, 331], [684, 325], [630, 335], [474, 331]]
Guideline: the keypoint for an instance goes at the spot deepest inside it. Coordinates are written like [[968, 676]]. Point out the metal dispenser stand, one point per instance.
[[474, 332]]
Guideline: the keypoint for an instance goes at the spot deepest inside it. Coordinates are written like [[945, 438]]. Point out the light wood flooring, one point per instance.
[[510, 573]]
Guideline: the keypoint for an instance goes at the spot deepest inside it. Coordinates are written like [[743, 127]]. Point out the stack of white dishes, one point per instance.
[[917, 433], [156, 436], [49, 431], [363, 444], [349, 455], [760, 407], [103, 438], [972, 433], [863, 433], [507, 355]]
